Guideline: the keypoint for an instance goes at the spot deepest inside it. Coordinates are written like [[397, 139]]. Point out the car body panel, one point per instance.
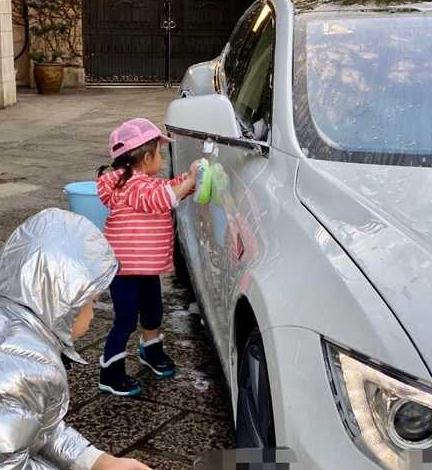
[[199, 79], [308, 282], [196, 116], [382, 217]]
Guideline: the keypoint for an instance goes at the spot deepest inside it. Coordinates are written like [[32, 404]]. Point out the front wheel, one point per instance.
[[255, 423], [181, 270]]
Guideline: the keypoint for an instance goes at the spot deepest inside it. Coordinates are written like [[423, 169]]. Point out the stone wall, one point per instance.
[[22, 64], [7, 69]]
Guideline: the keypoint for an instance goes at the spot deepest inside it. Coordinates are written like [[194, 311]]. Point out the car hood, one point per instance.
[[382, 217]]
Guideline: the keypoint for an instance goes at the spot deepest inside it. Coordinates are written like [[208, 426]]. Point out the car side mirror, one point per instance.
[[199, 79], [209, 115]]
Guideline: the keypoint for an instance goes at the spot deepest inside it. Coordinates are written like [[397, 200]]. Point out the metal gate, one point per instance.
[[153, 41]]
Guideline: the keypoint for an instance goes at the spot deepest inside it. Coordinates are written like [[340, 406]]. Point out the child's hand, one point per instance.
[[193, 171], [188, 185], [109, 462], [195, 165]]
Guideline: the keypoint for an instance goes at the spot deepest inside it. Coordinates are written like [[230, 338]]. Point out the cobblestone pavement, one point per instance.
[[46, 142]]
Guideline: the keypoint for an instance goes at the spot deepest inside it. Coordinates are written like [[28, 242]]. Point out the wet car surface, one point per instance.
[[314, 124]]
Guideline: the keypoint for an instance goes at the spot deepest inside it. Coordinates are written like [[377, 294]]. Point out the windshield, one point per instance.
[[363, 87]]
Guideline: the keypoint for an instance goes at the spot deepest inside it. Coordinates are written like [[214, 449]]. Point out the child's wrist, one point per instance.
[[190, 180]]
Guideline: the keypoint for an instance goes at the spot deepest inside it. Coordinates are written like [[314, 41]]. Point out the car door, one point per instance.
[[228, 224]]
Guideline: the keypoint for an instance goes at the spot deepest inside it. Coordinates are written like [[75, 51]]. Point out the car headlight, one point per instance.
[[387, 413]]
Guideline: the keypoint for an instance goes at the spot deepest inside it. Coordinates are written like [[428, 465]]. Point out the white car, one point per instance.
[[313, 262]]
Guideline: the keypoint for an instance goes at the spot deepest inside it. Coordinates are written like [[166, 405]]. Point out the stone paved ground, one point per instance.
[[46, 142]]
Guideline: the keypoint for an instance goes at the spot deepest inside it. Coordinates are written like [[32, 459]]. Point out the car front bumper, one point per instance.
[[306, 418]]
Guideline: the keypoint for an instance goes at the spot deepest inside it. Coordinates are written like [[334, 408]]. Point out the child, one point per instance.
[[141, 231], [52, 268]]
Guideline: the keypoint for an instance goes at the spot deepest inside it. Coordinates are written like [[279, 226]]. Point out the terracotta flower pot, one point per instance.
[[48, 78]]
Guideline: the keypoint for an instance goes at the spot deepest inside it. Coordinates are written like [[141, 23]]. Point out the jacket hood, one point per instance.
[[52, 265], [382, 217], [108, 193]]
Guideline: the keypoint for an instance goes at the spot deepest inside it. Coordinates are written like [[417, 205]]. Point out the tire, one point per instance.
[[255, 422], [180, 267]]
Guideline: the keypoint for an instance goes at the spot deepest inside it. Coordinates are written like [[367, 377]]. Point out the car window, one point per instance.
[[362, 88], [252, 100], [235, 53], [250, 74]]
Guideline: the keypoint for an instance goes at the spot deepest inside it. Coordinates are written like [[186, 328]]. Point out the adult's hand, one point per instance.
[[108, 462]]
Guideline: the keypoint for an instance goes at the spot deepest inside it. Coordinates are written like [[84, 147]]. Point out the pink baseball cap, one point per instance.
[[132, 134]]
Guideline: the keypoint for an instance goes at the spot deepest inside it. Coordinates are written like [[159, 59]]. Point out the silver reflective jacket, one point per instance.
[[50, 267]]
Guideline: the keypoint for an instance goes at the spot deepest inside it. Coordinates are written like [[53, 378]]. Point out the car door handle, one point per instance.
[[210, 148]]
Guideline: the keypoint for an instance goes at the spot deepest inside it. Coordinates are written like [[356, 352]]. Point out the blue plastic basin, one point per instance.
[[84, 200]]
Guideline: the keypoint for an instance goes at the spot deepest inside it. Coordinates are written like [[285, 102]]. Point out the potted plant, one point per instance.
[[53, 26], [48, 72]]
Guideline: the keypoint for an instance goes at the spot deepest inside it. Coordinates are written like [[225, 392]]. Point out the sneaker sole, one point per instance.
[[108, 389], [162, 375]]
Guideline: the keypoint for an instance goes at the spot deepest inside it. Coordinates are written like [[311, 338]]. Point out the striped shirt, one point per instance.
[[140, 226]]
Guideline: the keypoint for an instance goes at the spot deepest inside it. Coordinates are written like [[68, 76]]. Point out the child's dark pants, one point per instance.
[[133, 297]]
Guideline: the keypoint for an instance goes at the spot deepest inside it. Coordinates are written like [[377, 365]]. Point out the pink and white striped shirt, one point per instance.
[[140, 226]]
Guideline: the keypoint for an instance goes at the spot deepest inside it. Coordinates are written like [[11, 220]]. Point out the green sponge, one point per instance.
[[220, 183], [203, 190]]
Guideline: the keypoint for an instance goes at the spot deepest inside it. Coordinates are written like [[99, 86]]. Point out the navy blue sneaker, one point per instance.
[[113, 379], [153, 356]]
